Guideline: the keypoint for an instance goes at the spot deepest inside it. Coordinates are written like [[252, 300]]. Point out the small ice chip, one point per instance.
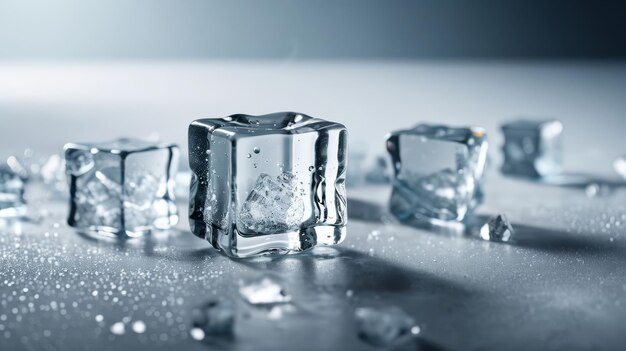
[[264, 291], [384, 326], [213, 318], [498, 228], [118, 328]]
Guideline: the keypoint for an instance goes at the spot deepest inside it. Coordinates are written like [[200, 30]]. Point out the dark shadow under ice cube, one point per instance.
[[437, 171], [124, 187], [532, 148], [267, 184]]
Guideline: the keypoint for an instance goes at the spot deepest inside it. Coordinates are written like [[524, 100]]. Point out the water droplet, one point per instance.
[[99, 318], [311, 168], [248, 155], [256, 150], [139, 327], [196, 333], [118, 328]]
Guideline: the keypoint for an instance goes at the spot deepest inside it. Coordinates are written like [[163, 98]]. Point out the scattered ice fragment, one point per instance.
[[620, 166], [264, 291], [213, 318], [197, 334], [118, 328], [384, 326], [12, 202], [139, 327], [498, 228], [274, 205]]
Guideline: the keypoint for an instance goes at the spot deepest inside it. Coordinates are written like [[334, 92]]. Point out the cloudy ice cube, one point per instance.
[[11, 194], [264, 291], [267, 184], [214, 318], [498, 228], [123, 187], [532, 148], [384, 326], [437, 171]]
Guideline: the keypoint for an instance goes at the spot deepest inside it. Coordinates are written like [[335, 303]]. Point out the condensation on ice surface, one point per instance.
[[275, 204]]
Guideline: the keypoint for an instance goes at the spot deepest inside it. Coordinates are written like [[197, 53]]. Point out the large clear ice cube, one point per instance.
[[532, 148], [267, 184], [437, 171], [124, 187], [11, 193]]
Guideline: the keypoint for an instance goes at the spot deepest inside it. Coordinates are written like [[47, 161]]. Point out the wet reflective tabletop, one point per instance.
[[560, 284]]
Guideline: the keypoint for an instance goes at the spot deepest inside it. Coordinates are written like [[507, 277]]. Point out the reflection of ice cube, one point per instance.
[[438, 171], [532, 148], [384, 326], [124, 187], [11, 194], [274, 205], [214, 318]]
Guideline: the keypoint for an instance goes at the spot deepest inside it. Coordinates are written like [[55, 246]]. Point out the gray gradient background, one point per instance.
[[279, 29]]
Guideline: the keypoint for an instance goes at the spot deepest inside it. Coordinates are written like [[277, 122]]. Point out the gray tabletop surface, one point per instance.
[[560, 284]]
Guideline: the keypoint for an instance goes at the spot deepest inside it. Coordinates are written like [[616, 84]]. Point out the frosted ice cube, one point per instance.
[[124, 187], [267, 184], [437, 171], [384, 326], [264, 291], [214, 318], [498, 228], [12, 202], [532, 148]]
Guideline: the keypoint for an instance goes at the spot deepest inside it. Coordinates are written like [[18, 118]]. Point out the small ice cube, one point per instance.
[[438, 171], [213, 318], [11, 194], [124, 187], [498, 228], [264, 291], [532, 148], [384, 326], [274, 205]]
